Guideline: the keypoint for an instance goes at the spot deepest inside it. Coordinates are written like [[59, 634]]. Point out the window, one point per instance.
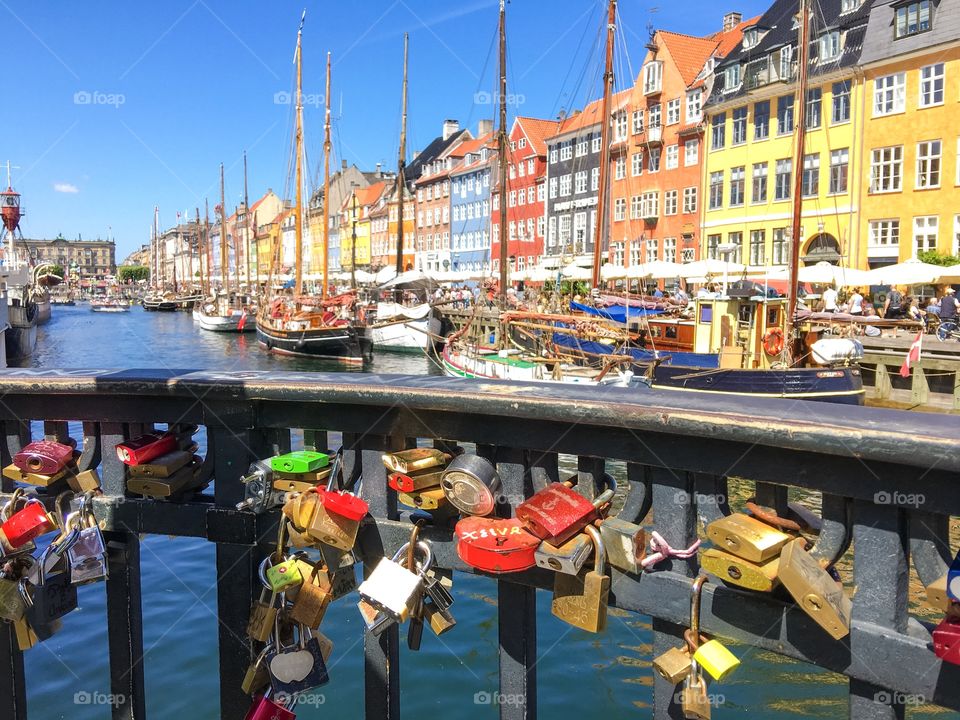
[[650, 204], [739, 135], [687, 255], [670, 202], [566, 150], [811, 175], [520, 198], [581, 147], [691, 152], [931, 85], [750, 38], [654, 156], [781, 188], [759, 183], [889, 93], [780, 246], [912, 19], [848, 5], [884, 234], [731, 77], [925, 233], [655, 115], [839, 164], [553, 187], [689, 200], [541, 189], [635, 206], [713, 247], [652, 244], [673, 157], [554, 154], [580, 183], [652, 77], [620, 126], [694, 106], [761, 120], [552, 231], [636, 121], [565, 185], [736, 239], [716, 190], [786, 63], [530, 194], [928, 164], [673, 111], [580, 232], [595, 144], [814, 108], [736, 185], [564, 230], [717, 127], [529, 164], [841, 102], [595, 179], [636, 164], [830, 46], [670, 249], [785, 115], [512, 198], [757, 246], [619, 209], [539, 227], [886, 169], [620, 168]]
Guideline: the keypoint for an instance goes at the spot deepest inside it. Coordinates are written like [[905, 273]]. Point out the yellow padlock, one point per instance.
[[710, 655]]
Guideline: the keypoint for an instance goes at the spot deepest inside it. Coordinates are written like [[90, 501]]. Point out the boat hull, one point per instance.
[[490, 366], [339, 344], [836, 385], [44, 311], [412, 336], [21, 337], [224, 324]]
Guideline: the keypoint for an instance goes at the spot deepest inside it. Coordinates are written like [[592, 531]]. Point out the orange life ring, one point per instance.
[[773, 341]]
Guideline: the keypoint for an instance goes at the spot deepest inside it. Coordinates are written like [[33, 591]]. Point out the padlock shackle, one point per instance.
[[424, 549], [696, 590], [599, 550], [770, 517]]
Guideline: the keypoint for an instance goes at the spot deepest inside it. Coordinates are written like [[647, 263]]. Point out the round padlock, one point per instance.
[[471, 484], [496, 545]]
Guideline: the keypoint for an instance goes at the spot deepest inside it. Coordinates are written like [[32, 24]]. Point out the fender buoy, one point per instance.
[[773, 341]]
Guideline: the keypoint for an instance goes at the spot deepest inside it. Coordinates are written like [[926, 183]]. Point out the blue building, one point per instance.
[[470, 206]]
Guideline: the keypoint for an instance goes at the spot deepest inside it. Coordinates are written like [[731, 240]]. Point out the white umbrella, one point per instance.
[[911, 272], [518, 275], [364, 276], [385, 273], [637, 272], [612, 272], [710, 266], [951, 273], [541, 274], [407, 278], [575, 272], [824, 273], [662, 270]]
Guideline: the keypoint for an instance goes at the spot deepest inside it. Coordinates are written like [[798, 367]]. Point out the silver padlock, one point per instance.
[[88, 555], [393, 588], [471, 484], [625, 542], [569, 558], [258, 493]]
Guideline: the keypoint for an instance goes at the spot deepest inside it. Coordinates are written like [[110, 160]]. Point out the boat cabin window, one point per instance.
[[745, 313], [706, 313], [773, 316], [671, 331]]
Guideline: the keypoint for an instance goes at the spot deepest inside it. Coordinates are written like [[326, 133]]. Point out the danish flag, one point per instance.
[[913, 356]]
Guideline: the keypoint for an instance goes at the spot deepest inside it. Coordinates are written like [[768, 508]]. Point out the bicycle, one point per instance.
[[948, 330]]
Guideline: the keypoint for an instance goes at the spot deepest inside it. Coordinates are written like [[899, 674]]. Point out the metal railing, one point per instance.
[[889, 486]]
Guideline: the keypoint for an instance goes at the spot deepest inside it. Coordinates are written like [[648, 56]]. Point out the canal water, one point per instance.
[[580, 675]]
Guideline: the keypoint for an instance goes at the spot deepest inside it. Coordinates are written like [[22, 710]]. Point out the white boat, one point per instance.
[[491, 364], [109, 306], [225, 314], [404, 328]]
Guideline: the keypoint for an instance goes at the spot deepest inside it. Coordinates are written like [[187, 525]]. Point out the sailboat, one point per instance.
[[20, 311], [223, 311], [321, 327]]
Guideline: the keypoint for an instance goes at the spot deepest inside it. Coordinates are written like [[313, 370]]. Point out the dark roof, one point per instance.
[[880, 44], [430, 153], [777, 26]]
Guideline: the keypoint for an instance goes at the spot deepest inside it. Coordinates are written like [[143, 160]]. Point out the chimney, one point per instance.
[[731, 20], [484, 127], [378, 170], [450, 128]]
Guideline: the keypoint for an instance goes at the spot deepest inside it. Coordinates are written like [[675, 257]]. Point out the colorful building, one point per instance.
[[748, 180], [909, 167], [384, 228], [526, 193], [355, 225], [470, 202]]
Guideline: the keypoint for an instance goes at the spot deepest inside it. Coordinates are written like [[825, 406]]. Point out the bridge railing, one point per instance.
[[888, 483]]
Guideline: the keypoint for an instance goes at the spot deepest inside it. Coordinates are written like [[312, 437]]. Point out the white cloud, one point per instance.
[[65, 188]]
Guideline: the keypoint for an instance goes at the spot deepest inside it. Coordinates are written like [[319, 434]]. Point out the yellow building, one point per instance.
[[910, 177], [315, 229], [355, 218], [750, 131]]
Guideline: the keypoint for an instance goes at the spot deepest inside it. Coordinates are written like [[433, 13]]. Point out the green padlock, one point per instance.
[[299, 461], [284, 575]]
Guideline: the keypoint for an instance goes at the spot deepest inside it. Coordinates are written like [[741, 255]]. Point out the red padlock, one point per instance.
[[26, 524], [495, 545], [557, 513], [266, 709], [344, 504], [946, 639], [143, 449], [44, 457]]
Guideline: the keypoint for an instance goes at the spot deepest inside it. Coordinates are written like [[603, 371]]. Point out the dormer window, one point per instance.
[[731, 77], [750, 38], [849, 5], [912, 18], [830, 46], [652, 77]]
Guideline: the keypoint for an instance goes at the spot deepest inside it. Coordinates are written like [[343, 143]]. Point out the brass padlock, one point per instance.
[[415, 459], [742, 573], [817, 594], [83, 482], [12, 603], [709, 655], [581, 600], [429, 500], [439, 619], [693, 698], [937, 596], [32, 478], [626, 544], [746, 537], [257, 677], [300, 482], [313, 596], [26, 637], [262, 614], [673, 665]]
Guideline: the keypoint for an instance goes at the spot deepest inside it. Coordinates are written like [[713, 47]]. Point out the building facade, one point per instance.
[[78, 258], [748, 184], [910, 148], [470, 204], [355, 226]]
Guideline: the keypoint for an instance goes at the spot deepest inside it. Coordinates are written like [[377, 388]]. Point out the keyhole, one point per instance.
[[734, 572], [554, 563]]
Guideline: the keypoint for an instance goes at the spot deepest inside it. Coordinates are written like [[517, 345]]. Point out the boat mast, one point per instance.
[[326, 186], [502, 152], [604, 144], [208, 251], [402, 162], [201, 244], [803, 43], [161, 249], [190, 255], [298, 227], [224, 255], [246, 213]]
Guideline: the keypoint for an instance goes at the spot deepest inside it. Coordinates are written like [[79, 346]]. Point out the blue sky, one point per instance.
[[116, 106]]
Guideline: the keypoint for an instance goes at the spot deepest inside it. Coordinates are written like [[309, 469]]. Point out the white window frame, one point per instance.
[[670, 202], [929, 164], [673, 111], [691, 152], [926, 231], [694, 106], [886, 164], [672, 159], [689, 200], [932, 82], [889, 94]]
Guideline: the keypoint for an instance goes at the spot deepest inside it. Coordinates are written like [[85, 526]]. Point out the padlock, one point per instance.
[[709, 655], [394, 589], [428, 500], [582, 600], [164, 488], [569, 558], [24, 525], [439, 619], [472, 485], [336, 519], [415, 481], [937, 596], [673, 665], [283, 575], [299, 482], [496, 545], [299, 461], [557, 512], [163, 466], [742, 573], [415, 460], [143, 449], [626, 544], [85, 481], [953, 578], [746, 537], [88, 554], [266, 708], [817, 594], [297, 668], [258, 493], [263, 612], [325, 644], [14, 473], [257, 677], [12, 603], [26, 636], [693, 698], [376, 621], [55, 595], [44, 457], [312, 597], [946, 638]]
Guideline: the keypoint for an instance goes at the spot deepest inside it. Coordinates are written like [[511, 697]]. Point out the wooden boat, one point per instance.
[[109, 305], [404, 326], [225, 313]]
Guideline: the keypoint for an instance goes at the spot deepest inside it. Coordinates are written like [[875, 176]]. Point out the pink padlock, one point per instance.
[[265, 708]]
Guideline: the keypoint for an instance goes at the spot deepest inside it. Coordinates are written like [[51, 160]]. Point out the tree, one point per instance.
[[133, 273], [935, 258], [53, 270]]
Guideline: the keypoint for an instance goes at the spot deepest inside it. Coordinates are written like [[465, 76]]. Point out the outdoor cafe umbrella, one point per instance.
[[612, 271], [709, 266], [824, 273], [911, 272], [575, 272]]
